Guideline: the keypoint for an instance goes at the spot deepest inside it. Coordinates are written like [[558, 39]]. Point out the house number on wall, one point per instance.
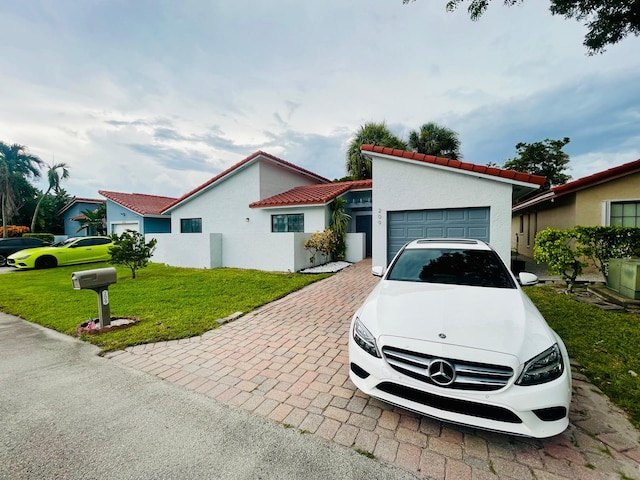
[[379, 216]]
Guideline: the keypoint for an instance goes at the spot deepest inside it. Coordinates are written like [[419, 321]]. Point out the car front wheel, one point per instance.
[[46, 262], [3, 261]]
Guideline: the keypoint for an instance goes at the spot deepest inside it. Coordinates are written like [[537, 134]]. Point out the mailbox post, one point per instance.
[[97, 280]]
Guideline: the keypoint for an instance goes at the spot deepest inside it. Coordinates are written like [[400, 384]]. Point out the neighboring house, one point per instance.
[[73, 216], [137, 212], [214, 225], [422, 196], [258, 213], [610, 197]]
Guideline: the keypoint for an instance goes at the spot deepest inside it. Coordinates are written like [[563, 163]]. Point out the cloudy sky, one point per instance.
[[155, 96]]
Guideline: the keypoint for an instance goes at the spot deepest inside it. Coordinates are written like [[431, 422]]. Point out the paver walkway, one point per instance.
[[288, 361]]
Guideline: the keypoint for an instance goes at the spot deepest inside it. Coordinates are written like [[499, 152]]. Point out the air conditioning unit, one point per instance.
[[624, 277]]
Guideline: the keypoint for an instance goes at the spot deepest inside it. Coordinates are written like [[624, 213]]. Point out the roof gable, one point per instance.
[[311, 194], [76, 200], [582, 183], [508, 175], [254, 157], [139, 203]]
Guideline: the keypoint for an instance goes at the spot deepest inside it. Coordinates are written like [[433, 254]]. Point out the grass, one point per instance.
[[171, 302], [605, 344]]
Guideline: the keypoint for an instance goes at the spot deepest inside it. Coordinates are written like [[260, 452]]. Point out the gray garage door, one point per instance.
[[408, 225]]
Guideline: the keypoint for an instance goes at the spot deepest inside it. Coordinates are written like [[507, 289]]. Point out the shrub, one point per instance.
[[130, 249], [46, 237], [15, 230], [324, 243], [603, 243], [557, 249]]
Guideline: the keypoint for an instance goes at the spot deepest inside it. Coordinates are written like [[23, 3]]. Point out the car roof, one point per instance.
[[461, 243]]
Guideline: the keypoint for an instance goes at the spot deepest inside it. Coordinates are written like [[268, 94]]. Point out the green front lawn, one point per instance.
[[171, 302], [605, 343]]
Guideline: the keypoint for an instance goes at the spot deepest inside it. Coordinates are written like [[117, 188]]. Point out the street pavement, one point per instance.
[[67, 413]]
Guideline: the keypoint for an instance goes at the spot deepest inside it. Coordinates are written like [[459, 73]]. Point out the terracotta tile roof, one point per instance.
[[581, 183], [457, 164], [75, 200], [597, 178], [139, 202], [235, 167], [311, 194]]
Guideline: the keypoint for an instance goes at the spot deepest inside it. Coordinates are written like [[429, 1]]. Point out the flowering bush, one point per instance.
[[15, 230], [324, 243]]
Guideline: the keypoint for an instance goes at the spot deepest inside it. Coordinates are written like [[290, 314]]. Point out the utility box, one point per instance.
[[624, 277], [97, 280]]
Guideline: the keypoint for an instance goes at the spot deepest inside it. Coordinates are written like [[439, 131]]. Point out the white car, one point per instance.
[[449, 333]]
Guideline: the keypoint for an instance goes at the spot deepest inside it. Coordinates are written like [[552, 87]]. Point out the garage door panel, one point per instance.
[[434, 233], [435, 215], [455, 232], [479, 214], [413, 231], [455, 215], [478, 232], [415, 217], [404, 226]]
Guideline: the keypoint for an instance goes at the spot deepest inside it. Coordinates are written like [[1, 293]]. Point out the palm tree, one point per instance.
[[358, 165], [16, 164], [94, 221], [55, 174], [434, 139]]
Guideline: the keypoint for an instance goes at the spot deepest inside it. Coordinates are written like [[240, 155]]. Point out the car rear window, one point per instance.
[[481, 268]]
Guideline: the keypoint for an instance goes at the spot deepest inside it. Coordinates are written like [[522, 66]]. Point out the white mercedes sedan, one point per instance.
[[449, 333]]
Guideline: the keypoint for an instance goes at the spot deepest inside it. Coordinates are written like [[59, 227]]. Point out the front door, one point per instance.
[[363, 225]]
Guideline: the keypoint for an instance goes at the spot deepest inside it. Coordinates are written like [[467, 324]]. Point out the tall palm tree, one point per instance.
[[55, 174], [358, 165], [16, 164], [434, 139]]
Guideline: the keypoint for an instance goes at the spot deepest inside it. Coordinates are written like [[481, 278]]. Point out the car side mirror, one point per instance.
[[527, 279], [377, 271]]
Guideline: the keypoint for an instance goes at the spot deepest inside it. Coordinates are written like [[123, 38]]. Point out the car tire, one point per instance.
[[3, 261], [46, 262]]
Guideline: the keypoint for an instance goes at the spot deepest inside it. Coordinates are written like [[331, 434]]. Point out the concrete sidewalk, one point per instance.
[[288, 361]]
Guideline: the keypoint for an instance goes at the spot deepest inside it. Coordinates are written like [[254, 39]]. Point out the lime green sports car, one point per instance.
[[69, 252]]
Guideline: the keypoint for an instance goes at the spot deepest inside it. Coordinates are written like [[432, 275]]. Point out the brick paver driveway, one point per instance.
[[288, 361]]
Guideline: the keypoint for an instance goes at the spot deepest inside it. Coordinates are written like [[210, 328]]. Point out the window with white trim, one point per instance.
[[625, 214], [287, 223]]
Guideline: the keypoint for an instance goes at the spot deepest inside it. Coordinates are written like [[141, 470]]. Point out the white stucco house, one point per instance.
[[259, 212], [422, 196], [256, 214]]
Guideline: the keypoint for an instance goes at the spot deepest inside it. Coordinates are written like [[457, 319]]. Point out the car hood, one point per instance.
[[31, 251], [495, 319]]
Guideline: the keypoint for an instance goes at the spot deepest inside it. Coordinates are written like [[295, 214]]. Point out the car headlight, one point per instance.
[[542, 368], [364, 339], [23, 257]]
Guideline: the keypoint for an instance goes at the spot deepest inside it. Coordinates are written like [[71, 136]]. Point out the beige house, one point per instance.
[[610, 197]]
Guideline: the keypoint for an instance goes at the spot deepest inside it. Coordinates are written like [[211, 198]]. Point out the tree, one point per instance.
[[130, 249], [16, 165], [55, 174], [608, 21], [542, 158], [433, 139], [95, 221], [359, 165], [339, 222]]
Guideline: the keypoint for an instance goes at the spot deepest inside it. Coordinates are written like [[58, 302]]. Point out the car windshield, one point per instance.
[[481, 268], [64, 243]]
